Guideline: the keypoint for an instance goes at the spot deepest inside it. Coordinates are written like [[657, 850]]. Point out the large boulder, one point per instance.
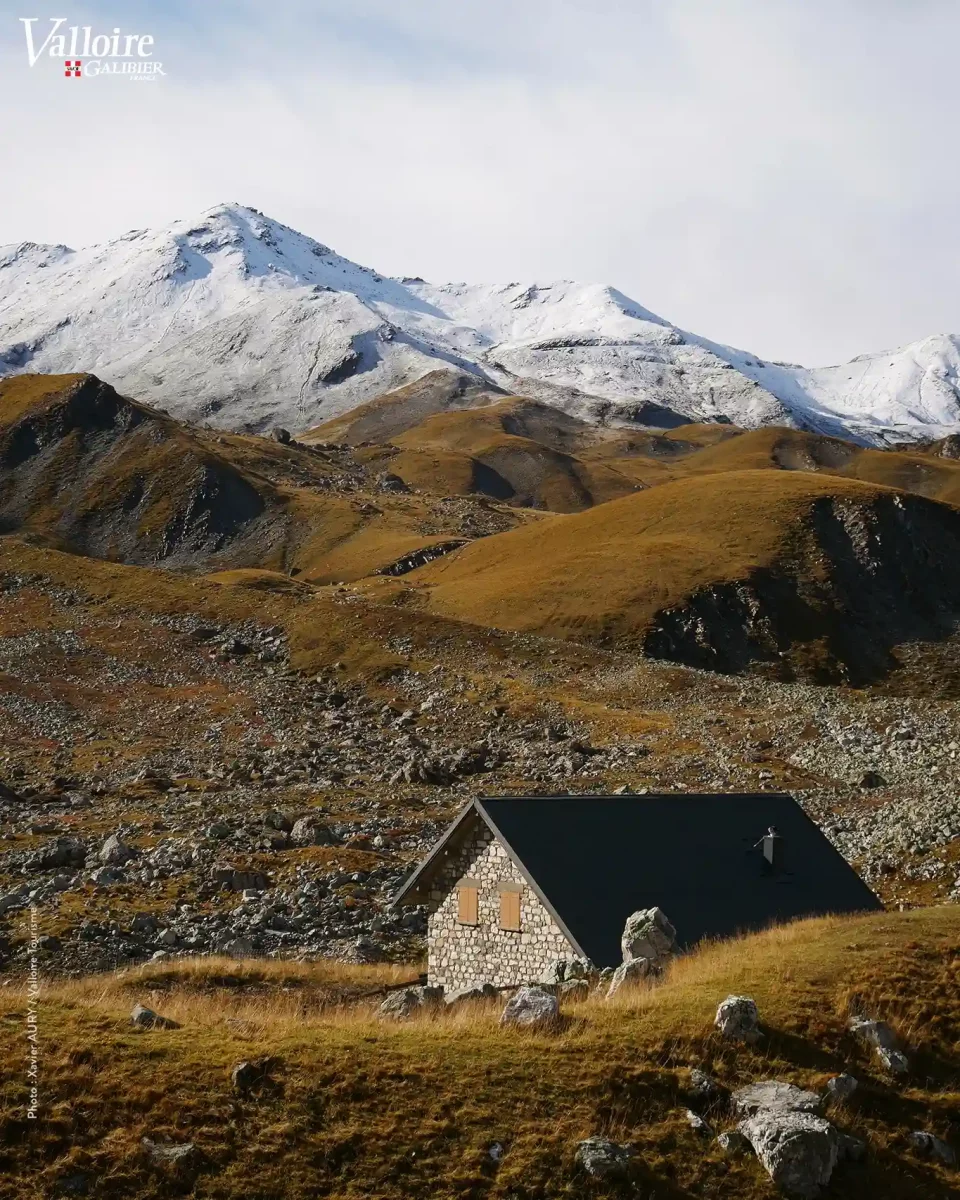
[[531, 1008], [773, 1096], [648, 934], [738, 1019], [603, 1159], [798, 1150]]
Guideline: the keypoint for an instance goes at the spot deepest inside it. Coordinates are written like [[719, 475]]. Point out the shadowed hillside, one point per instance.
[[87, 470]]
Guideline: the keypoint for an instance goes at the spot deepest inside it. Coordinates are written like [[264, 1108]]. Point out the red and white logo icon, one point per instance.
[[72, 68]]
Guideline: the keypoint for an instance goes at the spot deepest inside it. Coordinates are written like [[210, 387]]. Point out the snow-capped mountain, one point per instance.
[[238, 320]]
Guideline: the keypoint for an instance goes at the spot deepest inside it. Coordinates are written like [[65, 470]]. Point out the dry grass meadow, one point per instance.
[[360, 1108]]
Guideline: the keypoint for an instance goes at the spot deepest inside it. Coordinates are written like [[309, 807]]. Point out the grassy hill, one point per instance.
[[720, 568], [363, 1109]]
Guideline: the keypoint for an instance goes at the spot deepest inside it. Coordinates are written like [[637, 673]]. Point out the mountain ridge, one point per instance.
[[237, 320]]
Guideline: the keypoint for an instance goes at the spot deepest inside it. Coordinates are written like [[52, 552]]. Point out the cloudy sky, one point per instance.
[[781, 175]]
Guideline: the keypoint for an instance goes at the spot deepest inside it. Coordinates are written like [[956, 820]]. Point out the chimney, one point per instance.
[[773, 849]]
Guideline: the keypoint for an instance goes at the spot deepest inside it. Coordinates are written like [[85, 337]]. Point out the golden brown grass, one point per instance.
[[610, 569], [365, 1109]]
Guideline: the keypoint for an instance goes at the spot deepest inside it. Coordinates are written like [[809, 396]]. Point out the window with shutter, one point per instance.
[[467, 896], [510, 909]]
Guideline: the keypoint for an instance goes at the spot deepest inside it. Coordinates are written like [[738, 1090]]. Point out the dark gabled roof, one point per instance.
[[593, 860]]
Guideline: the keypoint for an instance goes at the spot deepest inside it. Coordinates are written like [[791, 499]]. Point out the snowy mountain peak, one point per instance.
[[235, 318]]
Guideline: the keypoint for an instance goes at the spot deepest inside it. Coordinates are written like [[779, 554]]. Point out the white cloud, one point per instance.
[[772, 174]]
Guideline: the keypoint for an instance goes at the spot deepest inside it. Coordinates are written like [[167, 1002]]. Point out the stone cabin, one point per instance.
[[517, 882]]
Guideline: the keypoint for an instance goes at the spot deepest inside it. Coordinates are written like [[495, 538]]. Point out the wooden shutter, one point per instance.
[[467, 896], [510, 909]]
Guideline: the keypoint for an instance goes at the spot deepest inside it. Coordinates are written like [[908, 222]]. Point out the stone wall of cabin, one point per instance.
[[465, 955]]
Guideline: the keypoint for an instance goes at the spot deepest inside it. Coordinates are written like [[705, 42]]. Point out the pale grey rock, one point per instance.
[[698, 1124], [562, 970], [798, 1150], [873, 1033], [146, 1018], [638, 970], [771, 1095], [850, 1148], [841, 1087], [531, 1008], [234, 880], [602, 1158], [183, 1158], [469, 995], [404, 1003], [733, 1142], [649, 934], [239, 947], [115, 853], [738, 1020]]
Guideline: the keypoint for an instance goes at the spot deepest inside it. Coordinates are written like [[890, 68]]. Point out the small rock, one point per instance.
[[496, 1152], [470, 995], [561, 970], [733, 1142], [841, 1087], [308, 831], [930, 1146], [248, 1075], [114, 852], [704, 1089], [146, 1018], [603, 1159], [737, 1019], [184, 1159], [895, 1061], [873, 1033], [872, 779], [49, 943], [239, 947], [403, 1003], [628, 974], [850, 1148], [698, 1124], [531, 1008]]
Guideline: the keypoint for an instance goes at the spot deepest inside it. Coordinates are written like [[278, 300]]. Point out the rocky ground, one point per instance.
[[176, 784]]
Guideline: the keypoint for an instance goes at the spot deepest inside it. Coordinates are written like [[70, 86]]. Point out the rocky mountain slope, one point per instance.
[[235, 319]]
